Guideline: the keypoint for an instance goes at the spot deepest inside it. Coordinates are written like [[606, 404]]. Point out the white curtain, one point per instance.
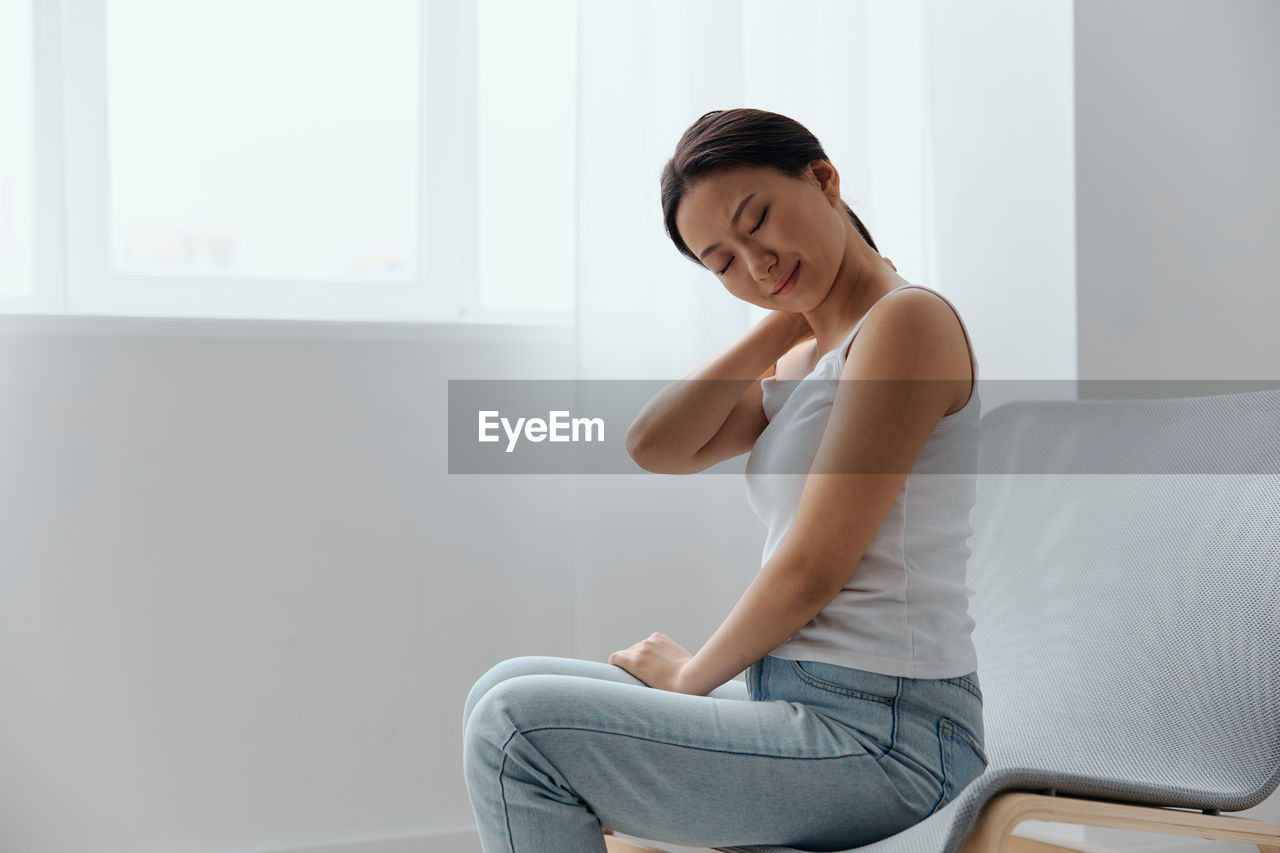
[[852, 72], [952, 126]]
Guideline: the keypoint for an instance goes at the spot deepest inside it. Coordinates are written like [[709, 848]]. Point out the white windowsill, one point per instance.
[[478, 330]]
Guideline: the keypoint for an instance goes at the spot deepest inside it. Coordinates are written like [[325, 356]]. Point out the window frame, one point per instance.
[[72, 254]]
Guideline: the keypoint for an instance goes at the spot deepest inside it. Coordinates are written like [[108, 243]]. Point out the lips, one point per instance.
[[789, 281]]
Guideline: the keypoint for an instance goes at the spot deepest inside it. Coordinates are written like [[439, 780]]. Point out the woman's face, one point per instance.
[[753, 225]]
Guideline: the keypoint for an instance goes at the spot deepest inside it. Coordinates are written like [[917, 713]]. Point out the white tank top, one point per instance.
[[904, 612]]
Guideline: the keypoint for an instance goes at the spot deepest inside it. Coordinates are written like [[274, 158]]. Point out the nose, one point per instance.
[[761, 263]]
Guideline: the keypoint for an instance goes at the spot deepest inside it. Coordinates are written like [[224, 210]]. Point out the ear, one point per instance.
[[828, 179]]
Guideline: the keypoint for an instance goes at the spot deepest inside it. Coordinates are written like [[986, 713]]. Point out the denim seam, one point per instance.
[[893, 731], [959, 730], [943, 742], [947, 752], [839, 688], [964, 685], [506, 813], [692, 746]]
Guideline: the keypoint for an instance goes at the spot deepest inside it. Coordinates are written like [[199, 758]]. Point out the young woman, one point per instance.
[[861, 713]]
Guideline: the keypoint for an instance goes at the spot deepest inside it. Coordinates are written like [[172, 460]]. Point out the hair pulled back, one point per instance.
[[725, 139]]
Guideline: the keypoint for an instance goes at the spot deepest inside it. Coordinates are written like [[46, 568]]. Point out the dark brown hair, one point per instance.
[[725, 139]]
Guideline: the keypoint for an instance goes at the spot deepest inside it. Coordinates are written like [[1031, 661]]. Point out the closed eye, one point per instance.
[[763, 214]]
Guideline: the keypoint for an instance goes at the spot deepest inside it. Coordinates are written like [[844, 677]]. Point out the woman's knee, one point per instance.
[[516, 703], [496, 674]]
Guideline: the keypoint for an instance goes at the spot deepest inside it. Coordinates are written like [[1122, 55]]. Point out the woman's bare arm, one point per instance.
[[687, 414]]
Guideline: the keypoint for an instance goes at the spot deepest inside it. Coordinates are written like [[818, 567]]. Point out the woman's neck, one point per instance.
[[863, 278]]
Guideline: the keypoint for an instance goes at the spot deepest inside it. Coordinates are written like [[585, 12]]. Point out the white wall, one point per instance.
[[241, 601], [1178, 195]]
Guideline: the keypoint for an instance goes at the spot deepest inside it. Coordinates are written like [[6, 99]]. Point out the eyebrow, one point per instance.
[[733, 221]]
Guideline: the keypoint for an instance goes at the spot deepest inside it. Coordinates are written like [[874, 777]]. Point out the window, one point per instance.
[[527, 155], [282, 150], [398, 161], [17, 152]]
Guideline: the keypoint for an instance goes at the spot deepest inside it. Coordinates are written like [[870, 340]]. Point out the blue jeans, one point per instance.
[[804, 754]]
